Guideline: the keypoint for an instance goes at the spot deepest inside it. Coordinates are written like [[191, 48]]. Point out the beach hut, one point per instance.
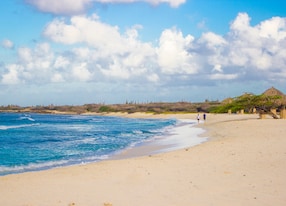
[[275, 92], [282, 102]]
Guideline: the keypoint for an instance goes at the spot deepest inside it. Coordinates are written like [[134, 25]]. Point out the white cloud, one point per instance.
[[120, 55], [241, 23], [249, 48], [81, 73], [69, 7], [217, 68], [172, 3], [34, 66], [75, 7], [153, 78], [103, 53], [212, 40], [25, 55], [273, 28], [82, 53], [61, 62], [59, 32], [223, 76], [57, 78], [88, 30], [116, 70], [39, 58], [8, 44], [211, 46], [173, 55], [12, 75]]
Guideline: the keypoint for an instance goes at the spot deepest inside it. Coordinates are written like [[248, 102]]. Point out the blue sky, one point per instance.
[[112, 51]]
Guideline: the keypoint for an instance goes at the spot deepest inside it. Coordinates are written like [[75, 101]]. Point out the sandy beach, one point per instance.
[[242, 163]]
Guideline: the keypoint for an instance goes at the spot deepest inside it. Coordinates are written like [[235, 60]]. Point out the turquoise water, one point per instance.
[[30, 142]]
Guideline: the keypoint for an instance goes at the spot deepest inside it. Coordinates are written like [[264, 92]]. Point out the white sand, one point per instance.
[[244, 163]]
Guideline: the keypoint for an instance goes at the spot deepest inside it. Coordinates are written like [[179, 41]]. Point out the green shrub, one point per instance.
[[105, 109]]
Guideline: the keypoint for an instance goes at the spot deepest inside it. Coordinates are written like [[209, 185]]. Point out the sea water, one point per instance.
[[31, 142]]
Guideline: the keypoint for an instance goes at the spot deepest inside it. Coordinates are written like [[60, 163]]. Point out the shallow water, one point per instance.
[[40, 141], [32, 142]]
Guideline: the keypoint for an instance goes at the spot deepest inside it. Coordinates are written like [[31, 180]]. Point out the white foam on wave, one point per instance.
[[30, 167], [180, 136], [27, 118], [183, 135], [4, 127], [5, 170]]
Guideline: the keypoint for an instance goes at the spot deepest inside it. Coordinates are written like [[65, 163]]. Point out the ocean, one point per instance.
[[32, 142]]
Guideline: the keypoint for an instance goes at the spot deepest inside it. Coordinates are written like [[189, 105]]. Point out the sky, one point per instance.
[[74, 52]]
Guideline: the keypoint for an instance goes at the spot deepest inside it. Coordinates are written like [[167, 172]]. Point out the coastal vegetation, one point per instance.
[[156, 107], [248, 102]]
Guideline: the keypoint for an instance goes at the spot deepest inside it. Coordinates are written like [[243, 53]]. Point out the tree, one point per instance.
[[248, 102]]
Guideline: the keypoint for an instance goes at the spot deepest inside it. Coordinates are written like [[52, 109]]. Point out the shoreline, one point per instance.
[[243, 162], [170, 140], [184, 135]]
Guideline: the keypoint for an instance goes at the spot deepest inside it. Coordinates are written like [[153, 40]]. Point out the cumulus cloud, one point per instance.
[[57, 78], [75, 7], [12, 75], [88, 30], [81, 72], [113, 54], [173, 55], [8, 44], [33, 66], [172, 3], [223, 76], [67, 7], [245, 49], [61, 62], [217, 68], [99, 52], [212, 42]]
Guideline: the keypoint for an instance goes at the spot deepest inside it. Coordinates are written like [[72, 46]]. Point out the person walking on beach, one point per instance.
[[205, 116], [198, 118]]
